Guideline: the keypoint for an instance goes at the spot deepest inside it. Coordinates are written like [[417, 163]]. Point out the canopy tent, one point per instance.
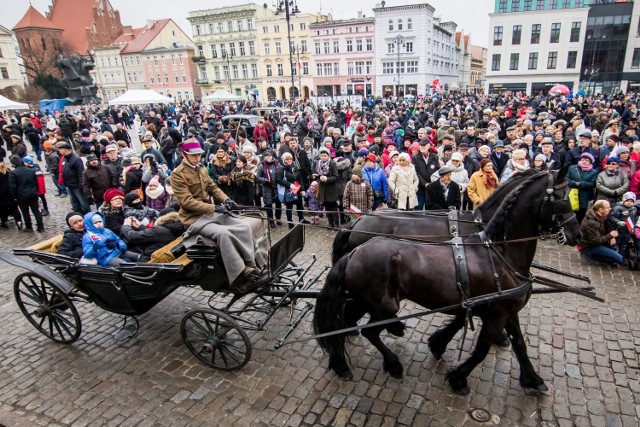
[[221, 96], [141, 96], [7, 104]]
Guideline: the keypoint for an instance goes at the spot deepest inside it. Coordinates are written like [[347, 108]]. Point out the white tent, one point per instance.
[[7, 104], [221, 96], [141, 96]]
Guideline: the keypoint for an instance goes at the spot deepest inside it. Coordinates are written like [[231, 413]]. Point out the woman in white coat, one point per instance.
[[403, 183], [459, 175]]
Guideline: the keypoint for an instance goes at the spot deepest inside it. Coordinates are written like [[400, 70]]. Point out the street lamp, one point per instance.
[[226, 55], [399, 41], [296, 48], [286, 4]]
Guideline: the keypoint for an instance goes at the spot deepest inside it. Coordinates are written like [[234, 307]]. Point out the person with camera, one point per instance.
[[152, 168], [149, 149]]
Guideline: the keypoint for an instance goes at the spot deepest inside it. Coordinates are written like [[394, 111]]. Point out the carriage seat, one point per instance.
[[165, 256], [50, 245]]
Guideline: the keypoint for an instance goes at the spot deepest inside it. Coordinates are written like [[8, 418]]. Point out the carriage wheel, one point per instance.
[[216, 339], [48, 309]]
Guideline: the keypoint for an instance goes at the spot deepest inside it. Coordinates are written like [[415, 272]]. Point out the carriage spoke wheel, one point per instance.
[[48, 309], [216, 339]]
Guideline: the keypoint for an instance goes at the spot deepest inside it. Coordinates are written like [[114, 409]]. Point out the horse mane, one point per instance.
[[496, 198], [499, 220]]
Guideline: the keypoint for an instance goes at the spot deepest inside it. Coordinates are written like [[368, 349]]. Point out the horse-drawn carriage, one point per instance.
[[48, 292]]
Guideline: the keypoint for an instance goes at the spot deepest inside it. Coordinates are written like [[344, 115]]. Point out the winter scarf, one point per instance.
[[323, 167]]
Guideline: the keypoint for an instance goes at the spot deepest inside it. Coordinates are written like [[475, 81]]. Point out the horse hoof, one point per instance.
[[502, 340], [436, 353], [459, 386], [396, 329], [395, 371], [462, 391], [539, 390], [347, 375]]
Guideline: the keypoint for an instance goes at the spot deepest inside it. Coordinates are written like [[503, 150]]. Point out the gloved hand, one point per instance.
[[111, 244], [230, 205], [221, 209]]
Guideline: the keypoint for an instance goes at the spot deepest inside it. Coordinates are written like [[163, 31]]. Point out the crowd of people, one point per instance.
[[330, 163]]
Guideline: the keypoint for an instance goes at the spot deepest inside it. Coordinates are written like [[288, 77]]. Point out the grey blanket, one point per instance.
[[240, 240]]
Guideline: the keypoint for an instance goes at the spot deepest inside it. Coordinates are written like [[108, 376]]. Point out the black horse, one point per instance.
[[431, 225], [382, 272]]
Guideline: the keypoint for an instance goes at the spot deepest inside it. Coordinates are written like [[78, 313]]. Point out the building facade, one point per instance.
[[344, 58], [402, 35], [10, 74], [110, 75], [226, 49], [478, 69]]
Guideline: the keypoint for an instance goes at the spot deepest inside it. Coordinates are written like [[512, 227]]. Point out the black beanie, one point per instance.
[[130, 198]]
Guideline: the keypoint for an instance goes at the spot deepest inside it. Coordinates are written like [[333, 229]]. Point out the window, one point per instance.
[[349, 45], [177, 78], [359, 67], [276, 28], [513, 61], [575, 32], [502, 6], [391, 48], [400, 67], [230, 26], [267, 49], [336, 46], [555, 33], [635, 61], [303, 26], [242, 51], [399, 24], [552, 60], [280, 69], [223, 50], [211, 28], [153, 80], [409, 46], [278, 48], [369, 45], [225, 70], [566, 4], [515, 6], [250, 24], [387, 68], [495, 62], [359, 45], [497, 35], [239, 25], [412, 67], [269, 70], [245, 71], [198, 30], [200, 53], [540, 5], [326, 48], [166, 77], [317, 45], [254, 71], [369, 67], [553, 4], [336, 69], [390, 24], [527, 5], [303, 46], [219, 27], [318, 69], [572, 58], [232, 49], [516, 35], [409, 24], [305, 68], [216, 72], [533, 60], [265, 29], [350, 68], [535, 33]]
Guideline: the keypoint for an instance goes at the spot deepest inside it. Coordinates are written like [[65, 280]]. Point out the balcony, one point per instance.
[[199, 59], [202, 82]]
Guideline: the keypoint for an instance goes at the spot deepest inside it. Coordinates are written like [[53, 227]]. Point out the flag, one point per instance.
[[629, 224], [355, 211], [296, 187]]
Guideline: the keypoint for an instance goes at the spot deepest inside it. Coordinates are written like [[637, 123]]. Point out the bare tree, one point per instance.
[[40, 53]]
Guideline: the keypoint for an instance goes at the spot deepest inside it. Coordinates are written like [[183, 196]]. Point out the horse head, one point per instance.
[[558, 216]]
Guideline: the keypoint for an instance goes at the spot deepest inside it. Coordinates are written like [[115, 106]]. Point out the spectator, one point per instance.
[[243, 182], [8, 204], [482, 183], [157, 197], [373, 174], [625, 216], [583, 177], [288, 177], [403, 183], [358, 194], [23, 185], [443, 193], [72, 168], [426, 164], [313, 204], [52, 160], [220, 169], [610, 183], [71, 245], [598, 236], [266, 177], [517, 163], [325, 171], [133, 178], [96, 179]]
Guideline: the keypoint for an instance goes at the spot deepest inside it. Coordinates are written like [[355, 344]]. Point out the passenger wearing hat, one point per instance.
[[72, 169], [52, 162], [611, 184], [443, 193], [96, 179], [23, 185], [71, 245], [112, 209], [426, 163], [103, 245], [624, 214], [193, 187]]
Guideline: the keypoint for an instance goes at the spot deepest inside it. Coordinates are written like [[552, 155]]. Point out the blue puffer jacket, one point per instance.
[[377, 179], [100, 243]]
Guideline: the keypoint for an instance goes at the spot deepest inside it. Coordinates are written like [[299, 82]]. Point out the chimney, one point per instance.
[[150, 23], [359, 14]]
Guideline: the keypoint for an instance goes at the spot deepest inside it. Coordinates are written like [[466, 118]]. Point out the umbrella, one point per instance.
[[7, 104], [559, 90], [141, 96], [221, 96]]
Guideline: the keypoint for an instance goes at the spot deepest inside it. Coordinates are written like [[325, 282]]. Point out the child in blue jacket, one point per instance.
[[102, 244]]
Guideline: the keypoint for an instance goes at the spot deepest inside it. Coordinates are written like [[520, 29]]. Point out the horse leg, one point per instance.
[[532, 383], [439, 340], [391, 362], [353, 311], [458, 377]]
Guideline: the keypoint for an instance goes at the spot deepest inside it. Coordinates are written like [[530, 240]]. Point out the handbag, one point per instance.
[[574, 199], [378, 194], [290, 196], [139, 192]]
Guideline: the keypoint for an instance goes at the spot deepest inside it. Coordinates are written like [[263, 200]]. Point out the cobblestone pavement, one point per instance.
[[586, 352]]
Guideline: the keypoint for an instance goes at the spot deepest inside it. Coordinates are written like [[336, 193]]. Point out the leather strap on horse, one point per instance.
[[452, 216], [462, 281]]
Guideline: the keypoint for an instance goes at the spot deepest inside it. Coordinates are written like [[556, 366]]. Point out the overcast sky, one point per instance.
[[470, 15]]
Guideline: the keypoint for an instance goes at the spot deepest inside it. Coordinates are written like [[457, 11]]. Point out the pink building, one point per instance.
[[344, 57]]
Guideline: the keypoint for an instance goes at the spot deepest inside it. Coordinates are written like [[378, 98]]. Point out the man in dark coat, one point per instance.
[[584, 146], [121, 134], [23, 185], [147, 240], [598, 237], [114, 162], [499, 158], [426, 163], [71, 245], [443, 193], [96, 179], [71, 177]]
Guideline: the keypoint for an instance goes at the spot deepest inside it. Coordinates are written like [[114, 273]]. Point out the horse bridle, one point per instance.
[[558, 219]]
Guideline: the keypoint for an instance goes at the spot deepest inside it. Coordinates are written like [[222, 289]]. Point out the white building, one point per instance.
[[10, 74], [403, 34], [531, 51]]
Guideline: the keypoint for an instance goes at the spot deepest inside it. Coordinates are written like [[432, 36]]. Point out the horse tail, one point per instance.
[[341, 244], [329, 313]]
